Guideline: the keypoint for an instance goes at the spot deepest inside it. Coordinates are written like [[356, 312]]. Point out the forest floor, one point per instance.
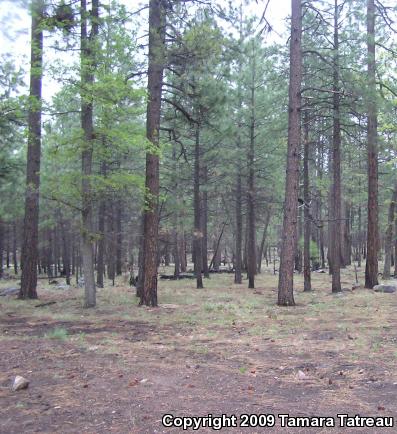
[[224, 349]]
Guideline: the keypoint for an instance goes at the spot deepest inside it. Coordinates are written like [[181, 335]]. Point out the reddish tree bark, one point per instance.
[[148, 294], [289, 241], [371, 265]]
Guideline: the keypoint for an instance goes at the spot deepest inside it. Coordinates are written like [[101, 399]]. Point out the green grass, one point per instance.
[[58, 333]]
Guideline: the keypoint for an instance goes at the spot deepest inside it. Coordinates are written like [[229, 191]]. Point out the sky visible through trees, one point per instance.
[[205, 190], [203, 102]]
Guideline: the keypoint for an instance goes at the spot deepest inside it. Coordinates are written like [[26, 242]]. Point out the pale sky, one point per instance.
[[15, 28]]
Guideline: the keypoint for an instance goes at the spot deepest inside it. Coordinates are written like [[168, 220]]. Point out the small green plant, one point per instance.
[[81, 338], [376, 346], [209, 307], [242, 369], [58, 333]]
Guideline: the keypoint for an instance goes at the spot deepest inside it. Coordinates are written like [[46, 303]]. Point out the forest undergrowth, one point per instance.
[[225, 349]]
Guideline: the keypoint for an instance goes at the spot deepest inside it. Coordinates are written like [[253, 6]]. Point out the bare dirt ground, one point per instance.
[[225, 349]]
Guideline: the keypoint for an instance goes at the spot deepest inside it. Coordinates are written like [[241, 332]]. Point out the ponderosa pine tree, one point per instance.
[[389, 234], [88, 47], [289, 235], [148, 294], [29, 256], [306, 213], [371, 265], [251, 197], [336, 201]]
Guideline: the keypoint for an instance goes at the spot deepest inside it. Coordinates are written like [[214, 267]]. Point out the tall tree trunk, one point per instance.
[[175, 238], [307, 285], [102, 236], [216, 257], [239, 216], [119, 236], [288, 246], [204, 222], [139, 282], [239, 225], [29, 255], [298, 250], [111, 241], [57, 262], [395, 248], [371, 265], [14, 247], [87, 125], [148, 294], [347, 242], [264, 234], [65, 231], [73, 255], [320, 206], [251, 242], [1, 247], [197, 235], [335, 239], [8, 248], [359, 236], [182, 251], [50, 256], [389, 235]]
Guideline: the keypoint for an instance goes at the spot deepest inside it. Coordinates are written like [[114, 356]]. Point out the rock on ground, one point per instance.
[[389, 289], [9, 291], [20, 383]]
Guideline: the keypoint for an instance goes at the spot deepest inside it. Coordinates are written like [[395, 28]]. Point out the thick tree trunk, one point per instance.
[[371, 266], [288, 246], [151, 217], [31, 222], [335, 239], [87, 125], [389, 235]]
